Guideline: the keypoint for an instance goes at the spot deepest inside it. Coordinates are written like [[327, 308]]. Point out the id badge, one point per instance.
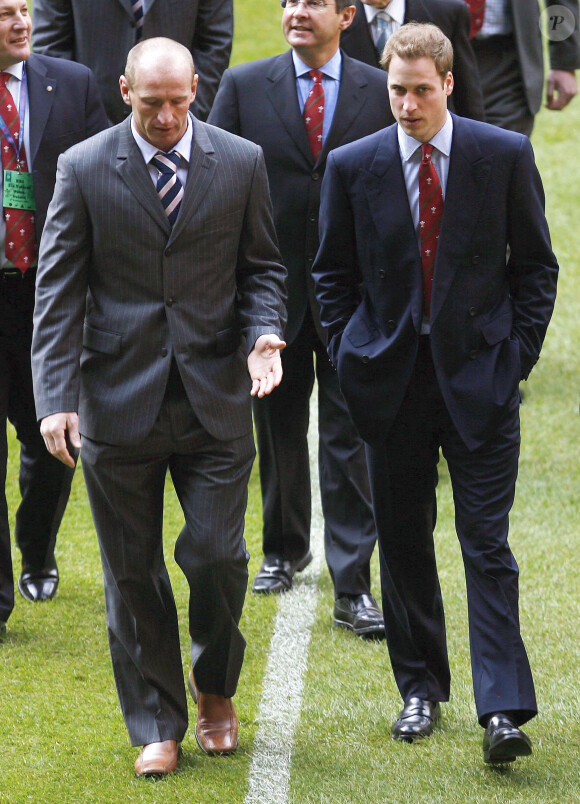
[[18, 190]]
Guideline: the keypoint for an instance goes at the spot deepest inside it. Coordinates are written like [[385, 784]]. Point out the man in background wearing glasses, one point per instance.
[[298, 106]]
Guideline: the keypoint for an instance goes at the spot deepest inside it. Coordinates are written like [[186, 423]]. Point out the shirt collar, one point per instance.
[[183, 147], [395, 10], [331, 69], [15, 70], [441, 140]]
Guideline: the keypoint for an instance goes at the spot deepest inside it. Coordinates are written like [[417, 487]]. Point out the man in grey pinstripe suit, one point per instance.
[[149, 340]]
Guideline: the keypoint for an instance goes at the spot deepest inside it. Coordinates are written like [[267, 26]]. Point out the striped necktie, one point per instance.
[[168, 186], [137, 7]]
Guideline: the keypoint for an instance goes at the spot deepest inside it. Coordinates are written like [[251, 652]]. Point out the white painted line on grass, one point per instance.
[[283, 683]]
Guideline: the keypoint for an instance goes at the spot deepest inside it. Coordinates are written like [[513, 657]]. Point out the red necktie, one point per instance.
[[477, 11], [20, 240], [430, 214], [314, 114]]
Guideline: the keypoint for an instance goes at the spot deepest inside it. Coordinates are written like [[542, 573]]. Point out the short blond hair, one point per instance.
[[420, 40]]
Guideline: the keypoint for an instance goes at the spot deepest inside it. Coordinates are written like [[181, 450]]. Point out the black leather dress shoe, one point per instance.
[[416, 720], [361, 614], [503, 741], [38, 585], [276, 574]]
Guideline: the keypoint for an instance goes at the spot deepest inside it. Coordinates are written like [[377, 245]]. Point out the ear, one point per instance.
[[448, 83], [347, 15], [124, 87], [194, 87]]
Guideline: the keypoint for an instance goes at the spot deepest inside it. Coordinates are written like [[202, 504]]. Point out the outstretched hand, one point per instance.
[[265, 365]]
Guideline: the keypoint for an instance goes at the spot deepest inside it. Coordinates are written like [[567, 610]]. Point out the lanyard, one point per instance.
[[4, 128]]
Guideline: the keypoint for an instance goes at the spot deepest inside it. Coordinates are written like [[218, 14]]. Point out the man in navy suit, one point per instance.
[[428, 360], [62, 107], [263, 101]]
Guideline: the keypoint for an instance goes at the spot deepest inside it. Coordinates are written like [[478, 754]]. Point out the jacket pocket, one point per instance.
[[100, 340]]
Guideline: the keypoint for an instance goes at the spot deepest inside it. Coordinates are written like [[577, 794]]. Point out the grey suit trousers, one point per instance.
[[126, 487]]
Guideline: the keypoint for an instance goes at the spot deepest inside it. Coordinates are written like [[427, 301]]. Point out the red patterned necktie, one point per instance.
[[314, 114], [20, 239], [430, 214], [477, 11]]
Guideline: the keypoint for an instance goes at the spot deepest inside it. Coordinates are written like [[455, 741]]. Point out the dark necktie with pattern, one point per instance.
[[477, 11], [137, 6], [430, 214], [20, 240], [168, 186], [314, 114]]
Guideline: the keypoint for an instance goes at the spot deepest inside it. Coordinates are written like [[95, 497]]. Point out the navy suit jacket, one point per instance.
[[64, 108], [488, 317], [452, 17], [258, 101]]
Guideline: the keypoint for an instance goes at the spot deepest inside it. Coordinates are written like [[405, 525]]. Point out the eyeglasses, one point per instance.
[[310, 5]]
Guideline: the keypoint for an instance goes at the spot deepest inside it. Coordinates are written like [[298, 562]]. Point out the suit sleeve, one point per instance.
[[53, 28], [211, 49], [260, 274], [532, 266], [95, 116], [335, 271], [565, 55], [225, 112], [467, 94], [61, 290]]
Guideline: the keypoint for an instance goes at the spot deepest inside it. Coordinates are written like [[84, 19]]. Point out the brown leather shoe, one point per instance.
[[157, 759], [216, 730]]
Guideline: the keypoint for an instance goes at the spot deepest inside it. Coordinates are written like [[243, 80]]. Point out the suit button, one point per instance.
[[475, 260], [170, 302], [391, 325], [312, 219], [163, 351], [168, 252], [382, 273], [315, 176], [365, 359], [473, 311], [473, 354]]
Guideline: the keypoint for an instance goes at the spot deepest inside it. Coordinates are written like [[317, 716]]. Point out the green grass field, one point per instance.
[[63, 738]]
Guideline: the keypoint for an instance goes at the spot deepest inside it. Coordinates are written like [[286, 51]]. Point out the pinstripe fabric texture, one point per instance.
[[100, 33], [201, 292]]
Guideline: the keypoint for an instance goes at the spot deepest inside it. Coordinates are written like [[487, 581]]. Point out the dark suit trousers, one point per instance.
[[282, 420], [483, 483], [126, 487], [44, 481], [501, 83]]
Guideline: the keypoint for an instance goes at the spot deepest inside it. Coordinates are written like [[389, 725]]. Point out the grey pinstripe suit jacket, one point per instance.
[[100, 33], [119, 293]]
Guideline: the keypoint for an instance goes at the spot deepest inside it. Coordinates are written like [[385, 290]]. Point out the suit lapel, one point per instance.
[[128, 6], [351, 97], [386, 192], [202, 167], [41, 94], [281, 92], [467, 182], [133, 171], [417, 11]]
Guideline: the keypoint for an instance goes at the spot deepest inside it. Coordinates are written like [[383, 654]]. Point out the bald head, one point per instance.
[[159, 85], [152, 55]]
